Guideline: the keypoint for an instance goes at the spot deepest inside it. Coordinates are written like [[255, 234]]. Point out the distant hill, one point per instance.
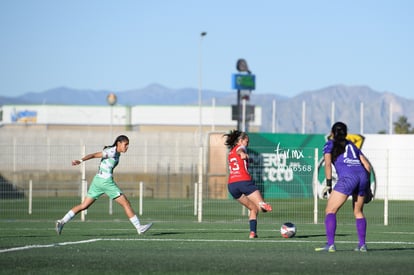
[[318, 105]]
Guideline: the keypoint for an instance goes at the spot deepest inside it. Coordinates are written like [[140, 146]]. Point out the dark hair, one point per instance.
[[233, 137], [121, 138], [339, 133]]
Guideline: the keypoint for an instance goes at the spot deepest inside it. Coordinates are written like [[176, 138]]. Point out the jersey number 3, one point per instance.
[[234, 165]]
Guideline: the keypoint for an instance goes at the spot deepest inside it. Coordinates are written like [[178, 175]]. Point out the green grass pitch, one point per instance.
[[110, 245]]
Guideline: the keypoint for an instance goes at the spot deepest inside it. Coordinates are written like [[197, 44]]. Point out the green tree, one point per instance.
[[402, 126]]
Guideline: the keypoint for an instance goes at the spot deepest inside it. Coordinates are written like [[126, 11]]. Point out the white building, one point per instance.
[[142, 118]]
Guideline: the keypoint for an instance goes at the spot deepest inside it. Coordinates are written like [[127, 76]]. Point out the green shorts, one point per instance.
[[100, 186]]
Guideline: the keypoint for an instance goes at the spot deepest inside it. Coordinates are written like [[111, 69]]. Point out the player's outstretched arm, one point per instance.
[[87, 157]]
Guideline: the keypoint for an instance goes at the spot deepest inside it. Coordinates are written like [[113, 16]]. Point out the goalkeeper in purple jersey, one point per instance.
[[353, 171]]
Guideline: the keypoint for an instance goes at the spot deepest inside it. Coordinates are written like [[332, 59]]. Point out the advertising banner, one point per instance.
[[282, 165]]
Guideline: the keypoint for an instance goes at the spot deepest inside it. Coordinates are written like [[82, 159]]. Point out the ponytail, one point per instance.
[[339, 132], [121, 138], [233, 137]]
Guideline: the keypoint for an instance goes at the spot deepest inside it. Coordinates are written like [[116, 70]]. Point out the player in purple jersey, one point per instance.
[[353, 171]]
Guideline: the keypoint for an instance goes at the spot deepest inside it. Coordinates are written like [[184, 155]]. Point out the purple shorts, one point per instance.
[[353, 184], [237, 189]]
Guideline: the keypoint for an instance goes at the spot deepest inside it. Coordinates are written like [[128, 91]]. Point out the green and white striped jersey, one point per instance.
[[110, 159]]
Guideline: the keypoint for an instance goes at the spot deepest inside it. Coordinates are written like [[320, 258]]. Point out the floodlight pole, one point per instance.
[[200, 129], [111, 99], [238, 110], [200, 82]]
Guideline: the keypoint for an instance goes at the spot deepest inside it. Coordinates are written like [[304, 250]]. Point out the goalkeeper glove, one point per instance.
[[328, 187]]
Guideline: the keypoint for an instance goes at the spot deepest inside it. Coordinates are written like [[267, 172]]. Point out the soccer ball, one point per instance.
[[288, 230]]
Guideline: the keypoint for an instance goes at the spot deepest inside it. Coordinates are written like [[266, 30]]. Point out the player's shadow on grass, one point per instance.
[[167, 233], [123, 234], [391, 249], [316, 236]]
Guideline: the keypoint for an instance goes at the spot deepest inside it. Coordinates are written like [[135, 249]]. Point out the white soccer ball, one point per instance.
[[288, 230]]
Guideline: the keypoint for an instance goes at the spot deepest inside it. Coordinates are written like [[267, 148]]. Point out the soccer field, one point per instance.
[[113, 246]]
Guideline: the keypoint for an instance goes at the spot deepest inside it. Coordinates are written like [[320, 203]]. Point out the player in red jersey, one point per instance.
[[240, 183]]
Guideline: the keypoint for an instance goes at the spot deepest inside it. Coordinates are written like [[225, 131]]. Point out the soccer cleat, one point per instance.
[[59, 226], [362, 248], [326, 248], [252, 235], [265, 207], [144, 228]]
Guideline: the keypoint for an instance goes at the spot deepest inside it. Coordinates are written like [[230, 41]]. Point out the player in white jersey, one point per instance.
[[103, 183]]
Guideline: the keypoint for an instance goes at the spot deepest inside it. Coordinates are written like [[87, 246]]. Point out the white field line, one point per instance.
[[184, 240], [46, 245]]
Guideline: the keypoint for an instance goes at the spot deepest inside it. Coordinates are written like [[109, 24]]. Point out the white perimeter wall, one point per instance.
[[392, 157]]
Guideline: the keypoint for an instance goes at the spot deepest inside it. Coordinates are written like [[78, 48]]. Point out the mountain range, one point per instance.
[[314, 107]]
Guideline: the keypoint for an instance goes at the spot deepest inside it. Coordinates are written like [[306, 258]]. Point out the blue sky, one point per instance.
[[291, 46]]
